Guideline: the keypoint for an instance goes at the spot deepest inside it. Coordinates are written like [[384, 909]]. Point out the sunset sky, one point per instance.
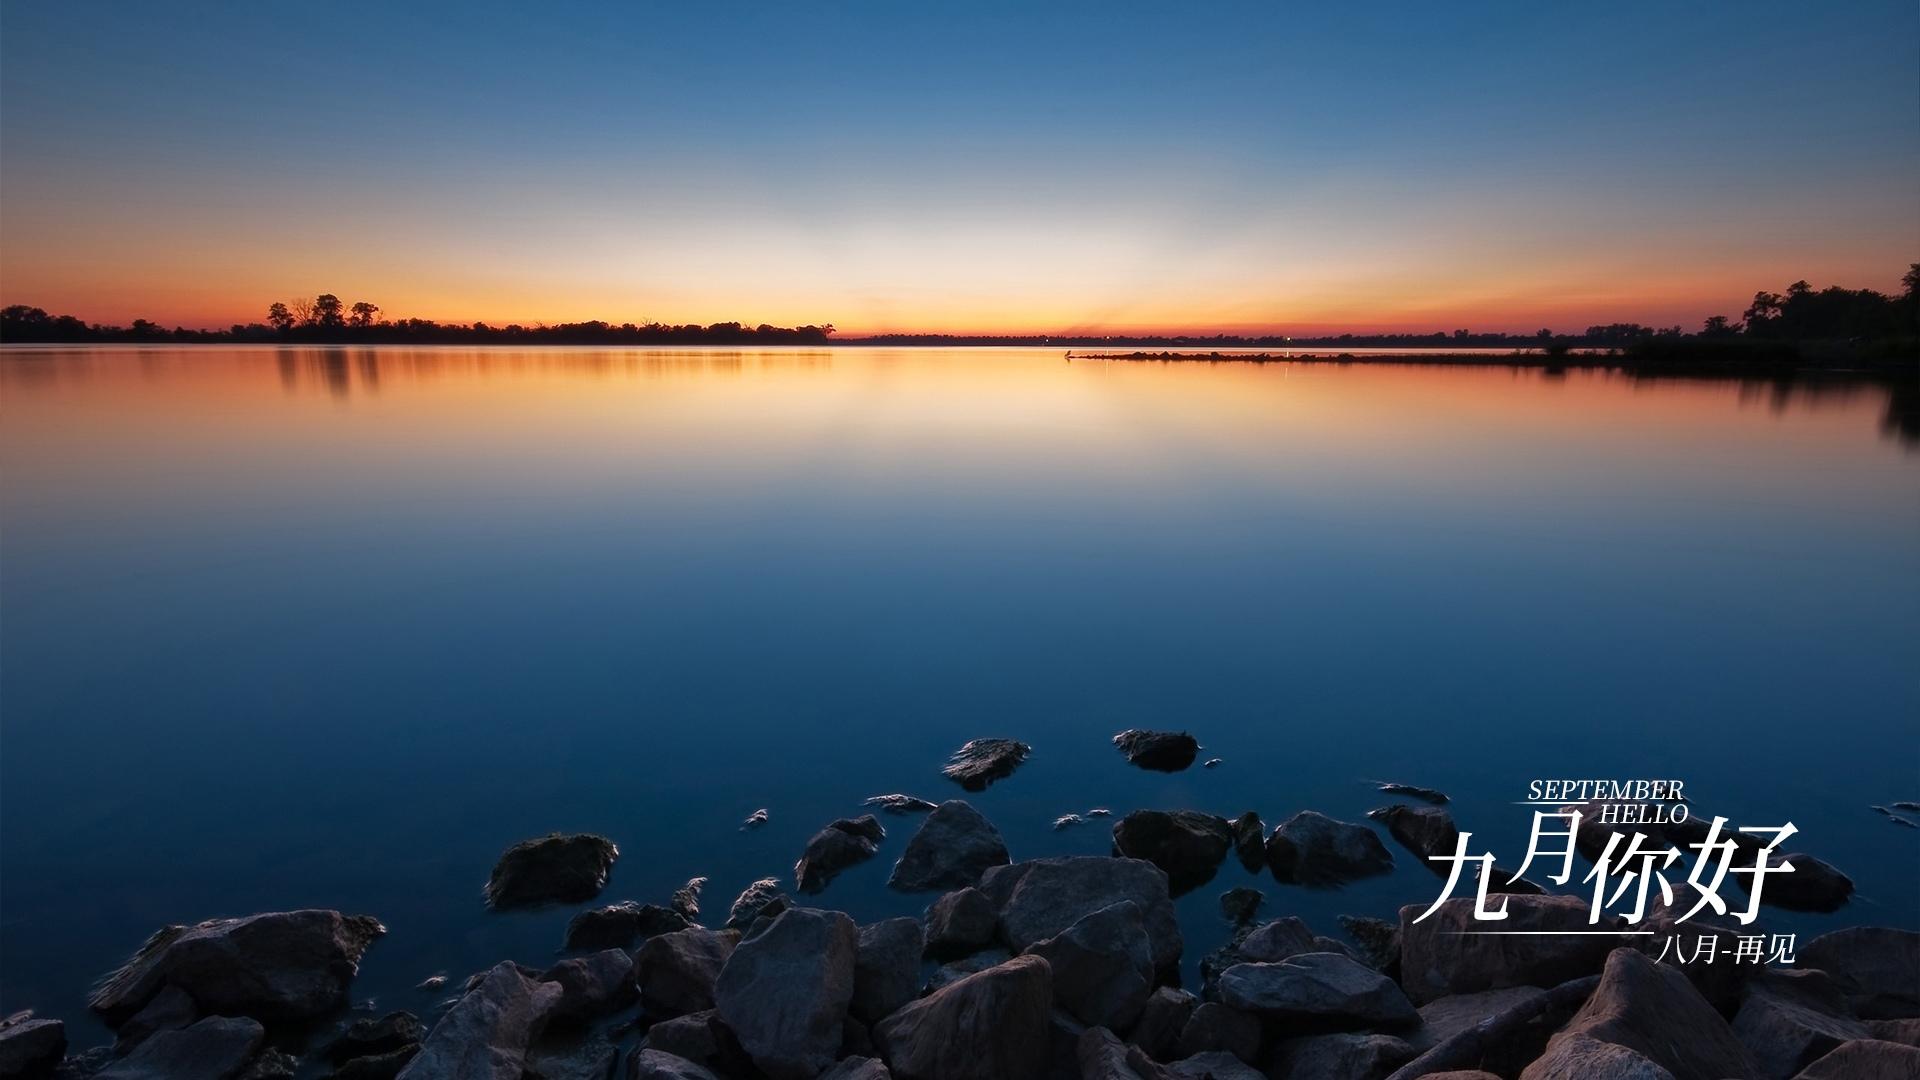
[[973, 168]]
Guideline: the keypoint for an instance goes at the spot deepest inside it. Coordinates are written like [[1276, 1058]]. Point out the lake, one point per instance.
[[333, 627]]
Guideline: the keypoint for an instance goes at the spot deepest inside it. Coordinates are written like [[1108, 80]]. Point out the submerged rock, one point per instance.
[[994, 1025], [1161, 751], [1313, 849], [287, 965], [763, 897], [1250, 841], [754, 820], [954, 846], [784, 992], [1427, 831], [982, 761], [1067, 821], [1240, 904], [1039, 898], [677, 971], [485, 1036], [1412, 791], [217, 1048], [843, 843], [900, 804], [1187, 844], [686, 899], [553, 869], [619, 926], [29, 1046], [1102, 966]]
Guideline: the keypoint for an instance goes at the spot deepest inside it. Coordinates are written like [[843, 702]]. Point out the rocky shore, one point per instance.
[[1066, 967]]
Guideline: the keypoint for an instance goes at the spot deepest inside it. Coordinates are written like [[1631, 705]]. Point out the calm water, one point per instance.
[[332, 628]]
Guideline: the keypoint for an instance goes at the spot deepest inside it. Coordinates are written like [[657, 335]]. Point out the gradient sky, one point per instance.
[[978, 168]]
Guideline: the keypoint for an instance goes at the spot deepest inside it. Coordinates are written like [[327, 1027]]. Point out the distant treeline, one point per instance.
[[1855, 318]]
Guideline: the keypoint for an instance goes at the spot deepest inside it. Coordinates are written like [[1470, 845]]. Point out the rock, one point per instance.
[[583, 1056], [1873, 966], [1273, 941], [1215, 1027], [763, 897], [1379, 941], [785, 991], [858, 1068], [1213, 1065], [1102, 966], [686, 900], [1313, 849], [886, 970], [432, 983], [1100, 1055], [1791, 1018], [1099, 811], [900, 804], [1039, 898], [1322, 988], [1462, 1074], [657, 1065], [1445, 954], [1904, 1032], [1067, 821], [1240, 904], [1894, 818], [1579, 1057], [991, 1026], [1866, 1059], [755, 820], [30, 1047], [1162, 1019], [1348, 1056], [592, 986], [954, 846], [216, 1048], [843, 843], [1654, 1011], [982, 761], [288, 965], [271, 1064], [1188, 845], [1162, 751], [677, 971], [1812, 885], [488, 1031], [961, 922], [618, 926], [1424, 794], [1426, 831], [170, 1010], [1449, 1016], [553, 869], [385, 1066], [702, 1039], [1250, 841], [370, 1036], [948, 974]]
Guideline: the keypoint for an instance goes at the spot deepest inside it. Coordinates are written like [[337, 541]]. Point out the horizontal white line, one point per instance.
[[1552, 933]]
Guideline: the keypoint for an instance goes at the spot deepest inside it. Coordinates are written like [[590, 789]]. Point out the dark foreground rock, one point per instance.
[[659, 1065], [30, 1047], [1348, 1055], [1582, 1057], [592, 986], [554, 869], [1100, 1055], [1654, 1011], [954, 846], [1102, 966], [217, 1048], [991, 1026], [1790, 1018], [1323, 988], [278, 966], [843, 843], [485, 1036], [785, 990], [1865, 1059], [619, 926], [961, 922], [1187, 844], [982, 761], [1039, 898], [370, 1036], [1443, 955], [886, 970], [1313, 849], [1426, 831], [1812, 885], [1162, 751], [1241, 904], [1250, 841], [1874, 967], [677, 971], [1163, 1017]]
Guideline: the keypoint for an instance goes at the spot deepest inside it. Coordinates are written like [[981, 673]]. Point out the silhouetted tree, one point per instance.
[[279, 317], [363, 313], [326, 311]]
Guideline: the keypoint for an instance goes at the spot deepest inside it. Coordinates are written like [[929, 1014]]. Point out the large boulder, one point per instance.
[[1267, 943], [1187, 844], [1347, 1055], [1039, 898], [785, 990], [1790, 1018], [982, 761], [1873, 966], [1653, 1010], [843, 843], [1325, 989], [961, 922], [701, 1038], [1449, 953], [1161, 751], [581, 1055], [1865, 1059], [954, 846], [995, 1025], [677, 971], [371, 1036], [279, 966], [660, 1065], [762, 898], [1102, 966], [619, 926], [168, 1010], [1582, 1057], [1426, 831], [1162, 1018], [29, 1046], [1449, 1016], [1213, 1065], [486, 1034], [886, 969], [1313, 849], [217, 1048], [857, 1068], [1216, 1027], [948, 974], [1100, 1055], [559, 868], [592, 986]]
